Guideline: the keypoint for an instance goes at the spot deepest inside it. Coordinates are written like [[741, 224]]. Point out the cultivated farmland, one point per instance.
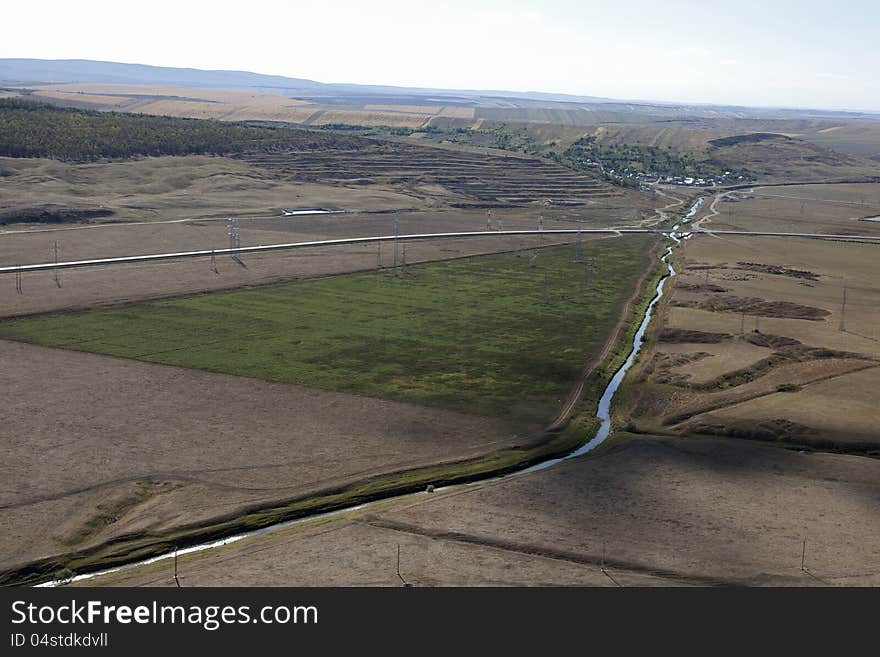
[[645, 511], [440, 334], [756, 343], [500, 338]]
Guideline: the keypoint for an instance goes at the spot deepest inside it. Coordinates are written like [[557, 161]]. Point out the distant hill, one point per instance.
[[56, 71], [83, 70], [568, 109]]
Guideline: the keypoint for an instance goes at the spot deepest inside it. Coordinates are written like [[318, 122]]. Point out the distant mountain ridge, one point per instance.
[[59, 71], [83, 70], [46, 71]]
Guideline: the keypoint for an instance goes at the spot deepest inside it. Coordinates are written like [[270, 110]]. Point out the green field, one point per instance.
[[495, 335]]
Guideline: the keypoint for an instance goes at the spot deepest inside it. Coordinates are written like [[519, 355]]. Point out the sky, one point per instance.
[[770, 53]]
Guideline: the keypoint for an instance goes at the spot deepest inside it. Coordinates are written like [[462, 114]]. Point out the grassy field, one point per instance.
[[495, 335]]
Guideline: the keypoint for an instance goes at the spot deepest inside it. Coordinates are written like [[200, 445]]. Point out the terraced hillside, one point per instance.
[[474, 176]]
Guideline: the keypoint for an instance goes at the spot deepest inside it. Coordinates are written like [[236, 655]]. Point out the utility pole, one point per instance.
[[396, 236], [379, 254], [843, 310], [176, 581], [18, 281], [56, 275], [405, 583], [578, 247]]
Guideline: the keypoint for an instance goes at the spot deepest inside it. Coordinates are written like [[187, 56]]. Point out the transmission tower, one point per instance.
[[232, 232], [234, 238]]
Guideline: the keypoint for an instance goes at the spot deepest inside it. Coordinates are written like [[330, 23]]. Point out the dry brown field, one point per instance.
[[232, 105], [862, 139], [652, 511], [755, 342], [172, 188], [222, 104], [836, 209], [96, 447], [82, 98]]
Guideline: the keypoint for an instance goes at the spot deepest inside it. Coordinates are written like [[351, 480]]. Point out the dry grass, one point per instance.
[[226, 96], [226, 112], [747, 403], [783, 159], [836, 209], [721, 358], [408, 109], [656, 511], [841, 410], [455, 112], [862, 139], [369, 118], [85, 98], [122, 446], [449, 111], [171, 188], [222, 104]]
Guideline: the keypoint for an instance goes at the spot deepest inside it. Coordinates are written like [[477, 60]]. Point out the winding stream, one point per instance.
[[603, 414]]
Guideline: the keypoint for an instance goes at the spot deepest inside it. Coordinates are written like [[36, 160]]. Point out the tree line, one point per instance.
[[33, 129]]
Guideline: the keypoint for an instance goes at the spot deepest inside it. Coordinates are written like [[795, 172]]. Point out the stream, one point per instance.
[[603, 414]]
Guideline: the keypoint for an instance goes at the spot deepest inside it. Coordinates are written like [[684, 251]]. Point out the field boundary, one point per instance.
[[556, 441]]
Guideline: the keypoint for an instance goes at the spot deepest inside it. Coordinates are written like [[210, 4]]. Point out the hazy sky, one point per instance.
[[803, 53]]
